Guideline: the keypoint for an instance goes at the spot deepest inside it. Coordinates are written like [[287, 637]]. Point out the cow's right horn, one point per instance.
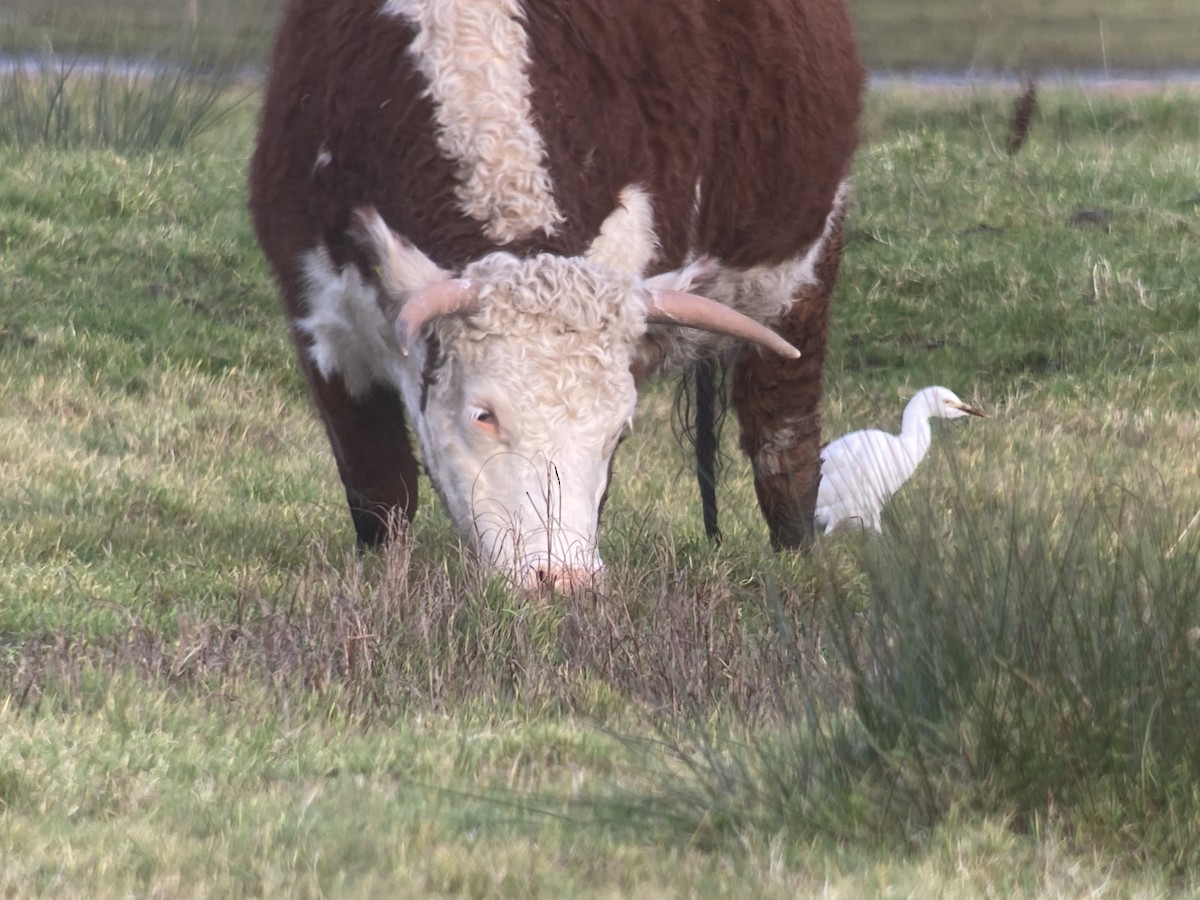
[[665, 307]]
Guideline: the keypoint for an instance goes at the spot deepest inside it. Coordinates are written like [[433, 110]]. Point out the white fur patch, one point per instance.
[[404, 267], [548, 354], [806, 271], [350, 335], [627, 242], [324, 158], [764, 293], [475, 54]]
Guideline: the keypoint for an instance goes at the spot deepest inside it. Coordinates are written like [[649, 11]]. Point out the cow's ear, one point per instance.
[[403, 268], [626, 242]]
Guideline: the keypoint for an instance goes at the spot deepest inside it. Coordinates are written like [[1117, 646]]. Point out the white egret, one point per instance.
[[861, 471]]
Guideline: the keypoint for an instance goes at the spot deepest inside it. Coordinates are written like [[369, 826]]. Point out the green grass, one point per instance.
[[1027, 34], [222, 30], [60, 105], [894, 34], [206, 692]]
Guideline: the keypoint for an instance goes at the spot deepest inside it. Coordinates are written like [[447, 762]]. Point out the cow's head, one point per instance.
[[516, 373]]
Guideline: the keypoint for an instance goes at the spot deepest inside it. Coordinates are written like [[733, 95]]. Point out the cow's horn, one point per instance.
[[454, 296], [664, 307]]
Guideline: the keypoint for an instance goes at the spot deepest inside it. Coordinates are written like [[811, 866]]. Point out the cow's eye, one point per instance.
[[485, 420]]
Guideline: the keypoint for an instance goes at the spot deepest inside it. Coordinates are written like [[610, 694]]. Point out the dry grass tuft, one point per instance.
[[383, 635]]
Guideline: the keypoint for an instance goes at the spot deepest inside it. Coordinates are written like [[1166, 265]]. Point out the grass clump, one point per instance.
[[1029, 662], [1039, 659], [125, 106], [381, 637]]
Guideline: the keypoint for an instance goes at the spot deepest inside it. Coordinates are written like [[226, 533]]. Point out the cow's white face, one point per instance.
[[516, 374], [520, 406]]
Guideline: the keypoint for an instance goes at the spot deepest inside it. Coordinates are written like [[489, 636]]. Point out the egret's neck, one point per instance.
[[915, 433]]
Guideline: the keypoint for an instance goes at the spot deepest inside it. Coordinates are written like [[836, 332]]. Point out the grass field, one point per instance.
[[205, 692], [895, 34]]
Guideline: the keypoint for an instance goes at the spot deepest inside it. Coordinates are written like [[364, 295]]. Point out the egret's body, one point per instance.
[[861, 471]]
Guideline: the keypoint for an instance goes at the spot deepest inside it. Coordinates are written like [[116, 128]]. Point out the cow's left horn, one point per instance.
[[454, 296], [410, 279], [664, 307]]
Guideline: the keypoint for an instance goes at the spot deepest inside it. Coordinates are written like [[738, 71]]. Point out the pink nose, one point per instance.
[[560, 579]]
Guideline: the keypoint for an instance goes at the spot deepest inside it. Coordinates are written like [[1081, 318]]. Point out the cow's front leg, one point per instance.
[[778, 405], [374, 456]]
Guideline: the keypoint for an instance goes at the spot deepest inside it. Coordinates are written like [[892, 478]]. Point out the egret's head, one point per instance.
[[944, 403]]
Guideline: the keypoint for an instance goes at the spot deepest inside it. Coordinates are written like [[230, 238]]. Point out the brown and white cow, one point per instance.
[[490, 219]]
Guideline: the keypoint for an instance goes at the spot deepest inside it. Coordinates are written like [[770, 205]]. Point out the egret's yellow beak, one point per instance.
[[969, 410]]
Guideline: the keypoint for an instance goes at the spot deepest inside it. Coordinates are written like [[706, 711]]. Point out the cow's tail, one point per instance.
[[701, 401]]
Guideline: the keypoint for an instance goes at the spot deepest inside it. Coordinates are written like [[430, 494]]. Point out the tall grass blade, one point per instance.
[[120, 105]]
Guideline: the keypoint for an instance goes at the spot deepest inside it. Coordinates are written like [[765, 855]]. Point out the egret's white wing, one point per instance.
[[858, 473], [861, 471]]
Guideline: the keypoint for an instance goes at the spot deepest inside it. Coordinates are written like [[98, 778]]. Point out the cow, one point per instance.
[[491, 220]]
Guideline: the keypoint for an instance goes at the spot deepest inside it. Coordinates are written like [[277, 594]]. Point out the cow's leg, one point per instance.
[[366, 430], [778, 405], [374, 455]]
